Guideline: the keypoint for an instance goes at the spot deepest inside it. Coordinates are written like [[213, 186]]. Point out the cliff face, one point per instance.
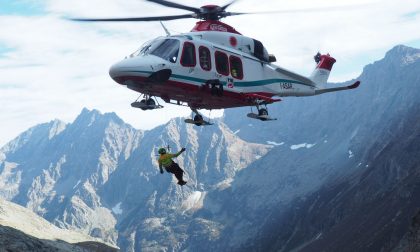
[[365, 154]]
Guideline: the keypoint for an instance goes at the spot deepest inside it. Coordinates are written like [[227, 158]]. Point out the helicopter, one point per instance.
[[212, 67]]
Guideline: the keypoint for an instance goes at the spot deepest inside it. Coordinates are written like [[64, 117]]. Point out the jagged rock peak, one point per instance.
[[397, 57], [401, 55], [88, 117], [40, 131], [402, 51]]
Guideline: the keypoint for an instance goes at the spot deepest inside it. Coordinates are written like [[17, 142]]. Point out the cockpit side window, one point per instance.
[[167, 50], [205, 59], [188, 55]]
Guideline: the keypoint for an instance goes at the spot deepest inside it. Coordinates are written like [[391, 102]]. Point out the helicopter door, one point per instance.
[[222, 68]]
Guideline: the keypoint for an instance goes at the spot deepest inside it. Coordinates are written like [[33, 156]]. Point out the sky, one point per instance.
[[52, 68]]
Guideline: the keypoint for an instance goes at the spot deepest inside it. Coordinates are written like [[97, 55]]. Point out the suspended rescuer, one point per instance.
[[165, 160]]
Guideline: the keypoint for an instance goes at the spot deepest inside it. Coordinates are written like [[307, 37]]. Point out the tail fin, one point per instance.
[[322, 71]]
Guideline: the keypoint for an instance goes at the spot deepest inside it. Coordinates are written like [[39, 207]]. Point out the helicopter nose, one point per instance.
[[125, 71], [115, 72]]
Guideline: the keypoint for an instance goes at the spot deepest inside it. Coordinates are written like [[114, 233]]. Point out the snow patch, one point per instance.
[[56, 128], [78, 182], [154, 223], [194, 201], [10, 180], [117, 209], [224, 184], [92, 120], [411, 59], [303, 145], [274, 143], [350, 154]]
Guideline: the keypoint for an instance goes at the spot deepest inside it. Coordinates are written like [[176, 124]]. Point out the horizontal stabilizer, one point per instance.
[[327, 90], [261, 97]]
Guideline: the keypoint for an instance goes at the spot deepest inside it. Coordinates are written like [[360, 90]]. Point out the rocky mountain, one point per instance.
[[55, 169], [332, 169], [99, 176], [23, 230]]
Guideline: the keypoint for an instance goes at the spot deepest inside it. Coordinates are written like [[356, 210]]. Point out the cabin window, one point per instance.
[[167, 50], [222, 63], [188, 55], [205, 59], [236, 69]]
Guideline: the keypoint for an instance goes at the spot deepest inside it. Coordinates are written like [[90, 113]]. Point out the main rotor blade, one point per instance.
[[227, 5], [227, 14], [332, 8], [158, 18], [175, 5]]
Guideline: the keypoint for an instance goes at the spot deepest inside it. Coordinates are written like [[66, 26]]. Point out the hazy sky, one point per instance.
[[52, 68]]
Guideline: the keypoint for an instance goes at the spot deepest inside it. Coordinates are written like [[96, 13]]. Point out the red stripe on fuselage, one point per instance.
[[199, 97]]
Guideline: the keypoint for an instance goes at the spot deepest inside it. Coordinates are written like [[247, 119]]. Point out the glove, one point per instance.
[[183, 149]]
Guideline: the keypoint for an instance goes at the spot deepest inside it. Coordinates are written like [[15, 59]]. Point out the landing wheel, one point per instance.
[[143, 102], [198, 119], [150, 102], [263, 112]]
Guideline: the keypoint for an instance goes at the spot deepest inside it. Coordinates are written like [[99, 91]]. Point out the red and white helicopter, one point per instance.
[[212, 67]]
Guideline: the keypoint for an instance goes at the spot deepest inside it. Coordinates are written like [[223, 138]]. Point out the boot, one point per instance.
[[181, 182]]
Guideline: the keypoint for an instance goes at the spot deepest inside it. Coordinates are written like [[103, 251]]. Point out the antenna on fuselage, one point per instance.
[[166, 30]]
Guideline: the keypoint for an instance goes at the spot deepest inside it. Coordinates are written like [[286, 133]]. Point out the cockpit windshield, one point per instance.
[[166, 49]]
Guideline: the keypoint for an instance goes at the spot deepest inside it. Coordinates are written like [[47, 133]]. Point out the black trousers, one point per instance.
[[176, 170]]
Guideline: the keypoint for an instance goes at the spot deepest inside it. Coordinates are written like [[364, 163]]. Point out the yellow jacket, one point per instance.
[[165, 160]]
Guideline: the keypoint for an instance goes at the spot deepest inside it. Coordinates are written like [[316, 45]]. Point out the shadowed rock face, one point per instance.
[[15, 240], [367, 149], [332, 169]]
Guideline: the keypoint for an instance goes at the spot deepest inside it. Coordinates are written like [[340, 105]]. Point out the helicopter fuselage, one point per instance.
[[184, 68]]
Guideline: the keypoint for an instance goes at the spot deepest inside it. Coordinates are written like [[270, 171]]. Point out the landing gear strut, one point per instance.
[[147, 103], [198, 119], [262, 112], [216, 88]]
